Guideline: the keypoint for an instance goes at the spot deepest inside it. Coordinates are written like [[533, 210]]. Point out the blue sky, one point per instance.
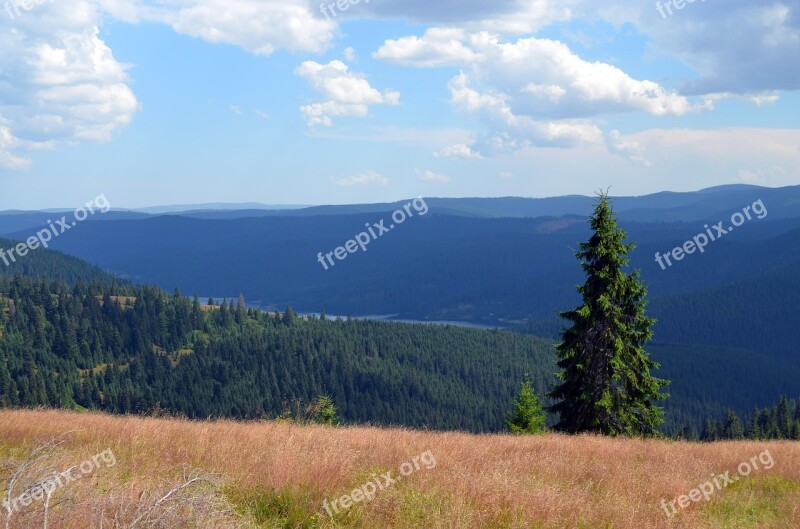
[[192, 101]]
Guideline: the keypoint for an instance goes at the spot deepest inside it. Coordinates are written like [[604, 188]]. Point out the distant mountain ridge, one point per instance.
[[665, 206]]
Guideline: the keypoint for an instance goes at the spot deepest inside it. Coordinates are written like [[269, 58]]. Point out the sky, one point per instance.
[[158, 102]]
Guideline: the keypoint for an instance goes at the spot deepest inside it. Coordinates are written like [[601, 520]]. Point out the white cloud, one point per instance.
[[531, 91], [261, 27], [9, 145], [724, 42], [458, 152], [765, 99], [737, 46], [430, 176], [438, 47], [765, 156], [626, 147], [59, 82], [510, 131], [544, 76], [262, 114], [236, 109], [363, 179], [350, 54], [348, 93]]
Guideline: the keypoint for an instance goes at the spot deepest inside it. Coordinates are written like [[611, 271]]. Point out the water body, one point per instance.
[[376, 317], [394, 318]]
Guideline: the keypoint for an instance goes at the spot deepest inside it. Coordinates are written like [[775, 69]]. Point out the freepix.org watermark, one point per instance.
[[329, 10], [669, 4], [12, 8], [54, 229], [367, 491], [718, 482], [700, 241], [46, 487], [373, 232]]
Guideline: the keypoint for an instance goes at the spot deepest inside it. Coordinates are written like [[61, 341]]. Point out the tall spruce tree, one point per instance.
[[606, 386]]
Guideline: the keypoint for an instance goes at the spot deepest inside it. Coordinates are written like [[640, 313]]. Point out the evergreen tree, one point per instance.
[[753, 431], [528, 415], [784, 417], [323, 411], [710, 432], [606, 386], [733, 426], [289, 315]]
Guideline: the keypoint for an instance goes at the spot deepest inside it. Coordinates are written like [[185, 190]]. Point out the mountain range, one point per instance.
[[726, 316]]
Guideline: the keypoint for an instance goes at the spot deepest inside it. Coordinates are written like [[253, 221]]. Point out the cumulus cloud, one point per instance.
[[260, 27], [531, 91], [430, 176], [459, 151], [59, 82], [363, 179], [347, 93], [438, 47], [738, 46], [545, 76], [517, 131]]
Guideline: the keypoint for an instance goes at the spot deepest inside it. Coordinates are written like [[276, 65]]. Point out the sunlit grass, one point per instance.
[[278, 475]]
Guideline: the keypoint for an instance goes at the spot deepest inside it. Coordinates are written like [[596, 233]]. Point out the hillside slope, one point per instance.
[[135, 349], [270, 475]]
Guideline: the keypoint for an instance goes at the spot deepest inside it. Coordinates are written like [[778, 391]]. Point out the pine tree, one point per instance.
[[606, 386], [753, 431], [710, 432], [323, 411], [289, 315], [784, 417], [528, 415], [733, 426]]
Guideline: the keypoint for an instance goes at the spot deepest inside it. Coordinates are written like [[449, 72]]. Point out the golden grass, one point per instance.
[[277, 475]]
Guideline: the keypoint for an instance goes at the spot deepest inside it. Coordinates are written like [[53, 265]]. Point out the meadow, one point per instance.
[[223, 474]]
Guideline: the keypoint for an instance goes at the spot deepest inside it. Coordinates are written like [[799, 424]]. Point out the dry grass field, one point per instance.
[[222, 474]]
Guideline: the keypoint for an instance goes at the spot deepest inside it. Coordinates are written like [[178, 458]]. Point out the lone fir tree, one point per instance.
[[605, 384], [527, 415]]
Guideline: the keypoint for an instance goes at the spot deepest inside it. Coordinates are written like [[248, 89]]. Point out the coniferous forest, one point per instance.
[[72, 336], [136, 349]]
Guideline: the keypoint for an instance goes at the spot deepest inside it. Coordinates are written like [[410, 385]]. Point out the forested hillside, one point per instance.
[[52, 265], [136, 349]]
